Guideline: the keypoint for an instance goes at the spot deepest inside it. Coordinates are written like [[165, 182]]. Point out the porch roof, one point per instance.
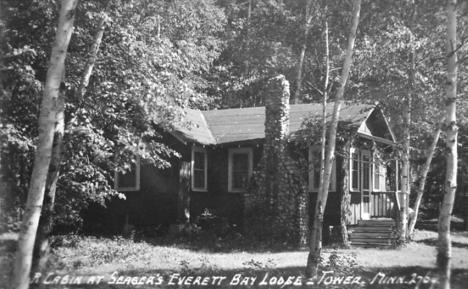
[[224, 126]]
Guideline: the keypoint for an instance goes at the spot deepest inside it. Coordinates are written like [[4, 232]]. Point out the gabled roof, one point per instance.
[[223, 126], [195, 129]]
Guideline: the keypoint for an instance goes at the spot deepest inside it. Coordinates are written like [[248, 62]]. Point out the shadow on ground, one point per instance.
[[433, 242], [456, 226]]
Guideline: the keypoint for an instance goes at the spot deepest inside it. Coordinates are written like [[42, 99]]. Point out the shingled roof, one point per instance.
[[212, 127]]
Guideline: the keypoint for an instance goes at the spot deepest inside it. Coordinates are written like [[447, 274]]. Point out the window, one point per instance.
[[366, 170], [240, 169], [130, 180], [199, 169], [314, 171], [380, 175], [354, 170]]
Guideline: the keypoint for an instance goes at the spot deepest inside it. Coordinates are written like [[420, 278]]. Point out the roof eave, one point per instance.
[[377, 139]]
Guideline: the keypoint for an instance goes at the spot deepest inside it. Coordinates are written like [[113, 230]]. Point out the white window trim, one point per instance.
[[383, 178], [137, 179], [353, 151], [332, 187], [378, 166], [192, 166], [249, 152], [371, 173]]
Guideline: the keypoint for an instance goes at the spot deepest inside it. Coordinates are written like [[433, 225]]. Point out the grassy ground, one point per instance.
[[231, 263]]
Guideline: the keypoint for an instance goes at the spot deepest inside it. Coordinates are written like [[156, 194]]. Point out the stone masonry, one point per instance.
[[277, 205]]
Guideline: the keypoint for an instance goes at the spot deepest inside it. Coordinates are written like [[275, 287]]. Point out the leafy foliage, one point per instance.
[[158, 57], [150, 66]]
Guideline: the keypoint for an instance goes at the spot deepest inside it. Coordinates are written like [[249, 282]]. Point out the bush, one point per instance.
[[208, 221], [340, 264]]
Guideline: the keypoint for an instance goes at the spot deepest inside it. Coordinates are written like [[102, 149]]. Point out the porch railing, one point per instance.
[[385, 204]]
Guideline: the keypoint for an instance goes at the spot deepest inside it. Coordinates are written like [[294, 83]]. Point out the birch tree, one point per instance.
[[300, 63], [93, 52], [41, 247], [422, 181], [405, 170], [41, 244], [316, 234], [444, 248], [47, 121]]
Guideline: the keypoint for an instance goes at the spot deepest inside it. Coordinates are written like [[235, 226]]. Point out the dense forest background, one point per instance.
[[158, 57]]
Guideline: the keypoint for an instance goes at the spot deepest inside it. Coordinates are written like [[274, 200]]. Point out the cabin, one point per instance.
[[258, 170]]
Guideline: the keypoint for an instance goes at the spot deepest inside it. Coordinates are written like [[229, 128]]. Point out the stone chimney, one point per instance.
[[276, 131], [276, 110], [277, 205]]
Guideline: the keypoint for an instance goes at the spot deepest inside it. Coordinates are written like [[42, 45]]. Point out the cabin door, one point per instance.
[[366, 185]]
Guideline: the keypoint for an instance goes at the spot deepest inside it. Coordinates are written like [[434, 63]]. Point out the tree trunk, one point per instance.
[[422, 182], [316, 242], [345, 200], [323, 139], [93, 53], [184, 193], [444, 250], [247, 44], [41, 246], [405, 170], [300, 62], [47, 122], [465, 215], [317, 226]]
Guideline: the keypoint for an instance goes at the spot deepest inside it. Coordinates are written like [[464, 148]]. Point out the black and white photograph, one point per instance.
[[235, 144]]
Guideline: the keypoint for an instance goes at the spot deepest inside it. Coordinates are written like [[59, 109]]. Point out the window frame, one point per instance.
[[192, 169], [353, 152], [232, 151], [332, 187], [137, 179], [379, 166], [367, 153]]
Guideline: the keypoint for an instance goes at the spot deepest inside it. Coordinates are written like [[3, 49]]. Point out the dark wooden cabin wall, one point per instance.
[[154, 205], [217, 199]]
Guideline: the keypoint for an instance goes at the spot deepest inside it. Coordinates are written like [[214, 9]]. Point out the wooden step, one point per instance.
[[376, 223], [359, 238], [372, 235], [387, 241], [373, 229], [369, 245]]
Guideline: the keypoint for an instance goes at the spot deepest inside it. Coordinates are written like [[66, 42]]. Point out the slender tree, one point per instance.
[[41, 247], [94, 51], [247, 43], [47, 122], [422, 181], [300, 63], [323, 141], [444, 248], [405, 170], [323, 138], [316, 235]]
